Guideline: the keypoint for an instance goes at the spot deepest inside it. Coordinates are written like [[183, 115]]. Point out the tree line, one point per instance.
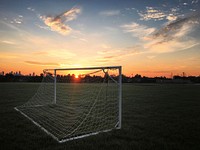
[[9, 77]]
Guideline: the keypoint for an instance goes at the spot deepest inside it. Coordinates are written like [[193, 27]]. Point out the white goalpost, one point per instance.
[[73, 103]]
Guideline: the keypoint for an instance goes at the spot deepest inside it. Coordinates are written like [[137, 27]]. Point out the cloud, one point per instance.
[[181, 25], [195, 1], [61, 53], [13, 23], [109, 13], [83, 40], [58, 23], [58, 54], [158, 71], [137, 30], [113, 55], [166, 12], [8, 42], [30, 9], [179, 28], [174, 36], [43, 27], [40, 53], [170, 46], [105, 46], [152, 13], [157, 14], [7, 55], [171, 17], [17, 20], [12, 26], [41, 63]]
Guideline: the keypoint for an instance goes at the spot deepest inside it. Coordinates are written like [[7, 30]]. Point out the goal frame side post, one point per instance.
[[54, 101], [120, 98]]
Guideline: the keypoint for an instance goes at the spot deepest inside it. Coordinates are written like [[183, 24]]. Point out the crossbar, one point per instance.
[[87, 68]]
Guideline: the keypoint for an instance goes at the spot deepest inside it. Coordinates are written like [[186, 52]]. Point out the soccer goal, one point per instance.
[[74, 103]]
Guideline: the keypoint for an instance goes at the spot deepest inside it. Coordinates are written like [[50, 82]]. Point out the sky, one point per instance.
[[147, 37]]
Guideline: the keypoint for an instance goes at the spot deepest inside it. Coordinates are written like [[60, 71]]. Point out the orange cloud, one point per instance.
[[41, 63], [58, 23]]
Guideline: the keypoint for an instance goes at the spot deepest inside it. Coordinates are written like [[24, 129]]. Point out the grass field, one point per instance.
[[155, 116]]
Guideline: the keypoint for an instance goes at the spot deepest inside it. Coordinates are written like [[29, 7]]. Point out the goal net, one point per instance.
[[76, 102]]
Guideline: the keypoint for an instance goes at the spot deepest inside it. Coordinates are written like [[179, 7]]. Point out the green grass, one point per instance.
[[154, 117]]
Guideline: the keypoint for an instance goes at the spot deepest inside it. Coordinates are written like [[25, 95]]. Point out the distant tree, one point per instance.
[[137, 76], [125, 79]]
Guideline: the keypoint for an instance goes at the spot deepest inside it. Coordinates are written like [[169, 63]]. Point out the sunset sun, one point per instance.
[[76, 76]]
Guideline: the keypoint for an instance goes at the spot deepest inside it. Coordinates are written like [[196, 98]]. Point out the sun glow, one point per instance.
[[76, 76]]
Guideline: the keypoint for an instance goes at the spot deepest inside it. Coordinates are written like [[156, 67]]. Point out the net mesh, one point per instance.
[[86, 102]]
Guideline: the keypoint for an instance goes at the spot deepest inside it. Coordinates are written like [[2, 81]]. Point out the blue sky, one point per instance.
[[146, 37]]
